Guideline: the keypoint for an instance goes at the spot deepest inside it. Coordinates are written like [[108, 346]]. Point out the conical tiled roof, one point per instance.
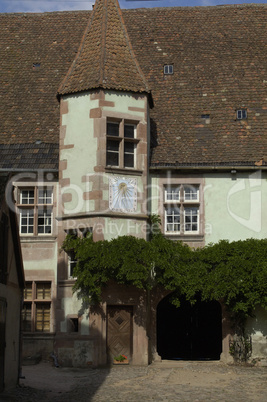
[[105, 58]]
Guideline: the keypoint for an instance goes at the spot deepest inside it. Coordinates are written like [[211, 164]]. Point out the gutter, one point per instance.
[[11, 170], [230, 167]]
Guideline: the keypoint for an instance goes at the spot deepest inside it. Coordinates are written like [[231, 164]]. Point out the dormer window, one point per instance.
[[168, 69], [35, 66], [121, 144], [241, 114], [205, 118]]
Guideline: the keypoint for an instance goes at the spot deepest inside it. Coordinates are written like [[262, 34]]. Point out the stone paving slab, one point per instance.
[[166, 381]]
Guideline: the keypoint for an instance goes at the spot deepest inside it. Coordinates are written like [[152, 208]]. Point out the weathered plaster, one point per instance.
[[256, 327], [42, 253], [73, 306], [126, 103]]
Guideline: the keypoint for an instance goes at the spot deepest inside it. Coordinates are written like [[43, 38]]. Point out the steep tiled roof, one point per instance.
[[28, 94], [28, 156], [219, 58], [29, 110], [105, 58]]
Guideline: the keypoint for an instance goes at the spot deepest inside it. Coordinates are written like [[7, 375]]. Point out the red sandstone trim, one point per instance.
[[63, 165], [100, 94], [85, 179], [95, 113], [64, 107], [66, 197], [93, 195], [136, 109], [106, 103], [67, 146], [62, 133], [64, 182], [98, 169]]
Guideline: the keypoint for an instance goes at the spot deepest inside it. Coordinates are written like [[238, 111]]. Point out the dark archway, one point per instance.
[[189, 332]]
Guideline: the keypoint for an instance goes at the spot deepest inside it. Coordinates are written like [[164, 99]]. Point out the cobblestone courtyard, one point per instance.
[[167, 381]]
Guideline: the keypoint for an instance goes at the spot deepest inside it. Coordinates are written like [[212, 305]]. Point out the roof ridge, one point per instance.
[[65, 79], [131, 48], [104, 35]]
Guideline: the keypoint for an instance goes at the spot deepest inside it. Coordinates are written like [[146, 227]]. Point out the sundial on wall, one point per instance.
[[122, 194]]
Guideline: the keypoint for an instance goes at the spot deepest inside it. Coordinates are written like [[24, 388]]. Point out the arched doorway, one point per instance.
[[189, 332]]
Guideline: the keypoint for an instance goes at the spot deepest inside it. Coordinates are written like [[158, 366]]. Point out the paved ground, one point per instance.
[[166, 381]]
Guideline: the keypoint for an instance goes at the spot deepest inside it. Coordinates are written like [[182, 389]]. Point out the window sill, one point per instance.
[[37, 239], [127, 171], [185, 237], [66, 282]]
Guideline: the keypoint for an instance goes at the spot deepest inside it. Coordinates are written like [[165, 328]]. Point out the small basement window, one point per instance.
[[168, 69], [241, 114], [74, 325]]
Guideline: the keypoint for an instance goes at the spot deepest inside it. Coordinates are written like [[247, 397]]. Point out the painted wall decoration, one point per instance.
[[122, 194]]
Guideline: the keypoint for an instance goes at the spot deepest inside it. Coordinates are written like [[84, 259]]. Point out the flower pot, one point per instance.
[[122, 363]]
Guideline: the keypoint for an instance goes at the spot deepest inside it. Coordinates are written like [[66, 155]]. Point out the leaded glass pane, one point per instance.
[[113, 129], [129, 130], [42, 317], [43, 291], [129, 154]]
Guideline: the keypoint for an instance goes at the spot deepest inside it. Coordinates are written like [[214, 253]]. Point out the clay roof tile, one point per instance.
[[105, 58]]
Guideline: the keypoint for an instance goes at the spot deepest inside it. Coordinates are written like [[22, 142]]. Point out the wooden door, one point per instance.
[[2, 341], [119, 331]]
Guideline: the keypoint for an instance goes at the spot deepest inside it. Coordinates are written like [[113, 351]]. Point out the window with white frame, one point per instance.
[[181, 209], [36, 310], [121, 144], [35, 205]]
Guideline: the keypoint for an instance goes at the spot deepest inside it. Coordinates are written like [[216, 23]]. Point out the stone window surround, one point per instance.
[[141, 138], [181, 204], [18, 186], [177, 180], [121, 140], [34, 301]]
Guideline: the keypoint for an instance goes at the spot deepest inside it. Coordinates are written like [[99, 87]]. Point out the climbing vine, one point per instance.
[[235, 273]]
